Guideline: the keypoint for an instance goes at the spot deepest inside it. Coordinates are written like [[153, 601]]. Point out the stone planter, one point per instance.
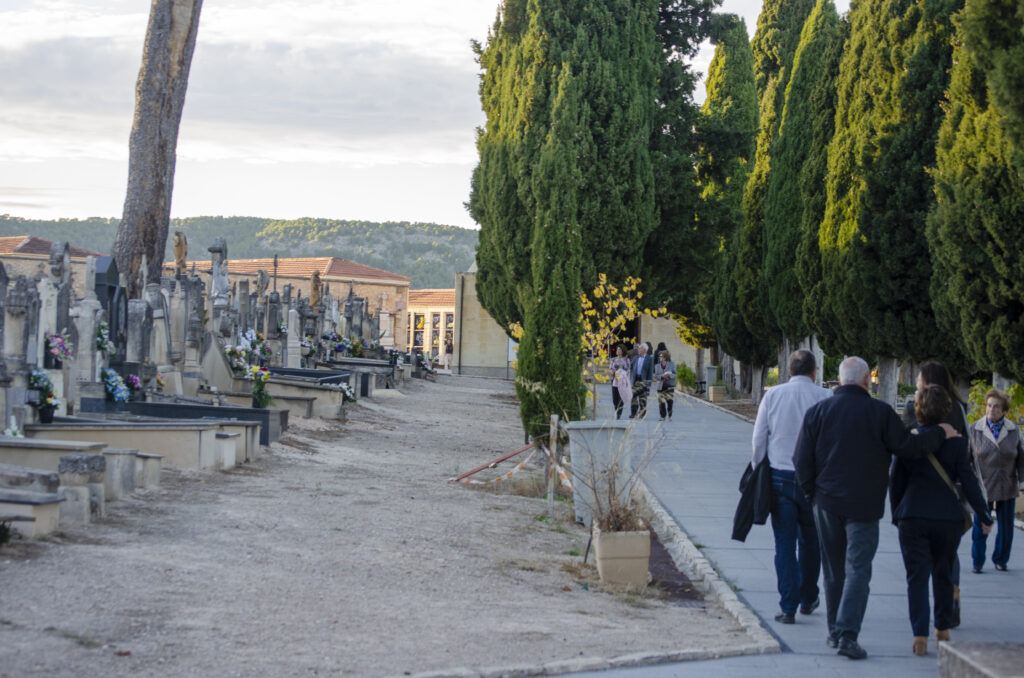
[[622, 557], [716, 394], [593, 447]]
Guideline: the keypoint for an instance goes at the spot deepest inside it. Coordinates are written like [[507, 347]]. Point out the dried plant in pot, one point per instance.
[[606, 481]]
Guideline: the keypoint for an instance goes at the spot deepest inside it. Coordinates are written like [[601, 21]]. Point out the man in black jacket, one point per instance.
[[842, 463]]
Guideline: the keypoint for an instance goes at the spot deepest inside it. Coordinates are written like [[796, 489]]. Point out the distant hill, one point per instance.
[[430, 254]]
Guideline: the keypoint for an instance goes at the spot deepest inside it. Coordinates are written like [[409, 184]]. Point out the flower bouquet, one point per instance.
[[113, 384], [103, 340], [134, 385], [58, 349], [39, 381], [260, 396]]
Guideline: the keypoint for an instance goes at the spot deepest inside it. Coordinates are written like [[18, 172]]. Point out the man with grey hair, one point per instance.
[[797, 561], [842, 463]]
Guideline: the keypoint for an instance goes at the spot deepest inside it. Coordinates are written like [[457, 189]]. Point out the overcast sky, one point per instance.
[[343, 109]]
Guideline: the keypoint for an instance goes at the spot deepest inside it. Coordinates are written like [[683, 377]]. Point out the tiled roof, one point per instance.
[[303, 267], [30, 244], [435, 298]]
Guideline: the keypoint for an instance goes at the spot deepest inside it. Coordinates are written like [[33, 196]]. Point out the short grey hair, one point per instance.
[[853, 370]]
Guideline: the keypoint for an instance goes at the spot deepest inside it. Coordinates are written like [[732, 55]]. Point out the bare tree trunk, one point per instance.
[[159, 100], [698, 366], [785, 349], [757, 375], [887, 375]]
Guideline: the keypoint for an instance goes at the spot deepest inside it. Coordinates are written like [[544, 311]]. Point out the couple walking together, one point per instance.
[[632, 379], [830, 457]]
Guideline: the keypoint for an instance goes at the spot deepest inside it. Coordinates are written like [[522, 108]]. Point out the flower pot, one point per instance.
[[46, 415], [52, 362], [716, 394], [256, 403], [622, 557]]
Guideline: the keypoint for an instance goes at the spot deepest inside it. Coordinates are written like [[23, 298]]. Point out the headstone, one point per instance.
[[140, 320], [86, 314], [293, 354]]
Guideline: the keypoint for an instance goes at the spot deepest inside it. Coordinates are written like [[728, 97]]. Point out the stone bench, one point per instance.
[[980, 660], [83, 479], [183, 445], [32, 514]]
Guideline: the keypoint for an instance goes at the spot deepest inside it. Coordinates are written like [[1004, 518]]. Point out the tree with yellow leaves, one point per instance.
[[604, 320]]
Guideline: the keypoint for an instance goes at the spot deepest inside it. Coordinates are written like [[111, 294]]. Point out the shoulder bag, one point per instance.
[[968, 513]]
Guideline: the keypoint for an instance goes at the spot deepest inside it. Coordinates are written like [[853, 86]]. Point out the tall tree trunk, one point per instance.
[[159, 100], [887, 375]]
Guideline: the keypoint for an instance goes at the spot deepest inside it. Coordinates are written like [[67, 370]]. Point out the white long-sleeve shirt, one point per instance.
[[779, 419]]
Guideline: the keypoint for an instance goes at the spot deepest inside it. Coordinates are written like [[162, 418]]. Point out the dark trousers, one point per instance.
[[617, 402], [797, 559], [847, 549], [1004, 536], [639, 404], [665, 399], [928, 548]]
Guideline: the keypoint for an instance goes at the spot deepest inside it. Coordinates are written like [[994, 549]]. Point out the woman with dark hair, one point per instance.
[[934, 373], [926, 508], [999, 451]]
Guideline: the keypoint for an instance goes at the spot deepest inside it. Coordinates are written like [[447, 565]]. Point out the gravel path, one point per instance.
[[342, 551]]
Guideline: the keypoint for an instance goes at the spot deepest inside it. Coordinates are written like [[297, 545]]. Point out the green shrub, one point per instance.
[[685, 376], [773, 377], [905, 390]]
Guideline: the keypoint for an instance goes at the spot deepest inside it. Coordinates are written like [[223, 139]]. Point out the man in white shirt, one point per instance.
[[779, 418]]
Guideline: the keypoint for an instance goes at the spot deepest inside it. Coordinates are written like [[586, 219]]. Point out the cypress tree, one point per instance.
[[794, 198], [774, 46], [727, 130], [976, 229], [876, 262], [679, 254], [548, 377]]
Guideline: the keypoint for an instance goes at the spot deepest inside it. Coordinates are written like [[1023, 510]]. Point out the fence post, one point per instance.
[[552, 458]]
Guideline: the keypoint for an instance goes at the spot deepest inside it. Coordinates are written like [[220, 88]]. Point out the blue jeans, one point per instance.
[[847, 549], [1004, 536], [797, 559]]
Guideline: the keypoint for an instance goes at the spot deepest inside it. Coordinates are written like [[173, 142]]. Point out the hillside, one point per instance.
[[430, 254]]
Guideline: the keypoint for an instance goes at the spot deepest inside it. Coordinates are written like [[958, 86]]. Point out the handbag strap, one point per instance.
[[942, 472]]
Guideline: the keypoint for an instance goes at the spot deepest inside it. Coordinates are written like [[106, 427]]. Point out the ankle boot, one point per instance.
[[920, 645], [942, 635], [955, 622]]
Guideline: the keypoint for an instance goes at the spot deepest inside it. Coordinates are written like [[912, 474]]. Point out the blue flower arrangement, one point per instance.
[[117, 390]]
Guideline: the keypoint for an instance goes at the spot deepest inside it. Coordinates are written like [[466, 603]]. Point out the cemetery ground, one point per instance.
[[343, 550]]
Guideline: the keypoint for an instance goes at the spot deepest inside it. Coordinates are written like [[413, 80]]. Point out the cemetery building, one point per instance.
[[28, 255], [481, 347], [431, 320]]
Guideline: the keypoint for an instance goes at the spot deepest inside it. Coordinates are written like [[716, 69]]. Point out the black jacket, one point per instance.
[[918, 491], [842, 455], [755, 499]]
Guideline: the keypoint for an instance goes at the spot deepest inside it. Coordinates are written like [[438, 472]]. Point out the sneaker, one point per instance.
[[1001, 568], [807, 609], [785, 618], [852, 649], [832, 641], [977, 569]]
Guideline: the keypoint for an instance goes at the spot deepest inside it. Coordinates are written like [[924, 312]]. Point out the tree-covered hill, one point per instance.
[[430, 254]]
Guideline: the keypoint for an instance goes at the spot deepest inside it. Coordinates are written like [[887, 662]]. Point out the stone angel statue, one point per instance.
[[180, 252], [315, 291]]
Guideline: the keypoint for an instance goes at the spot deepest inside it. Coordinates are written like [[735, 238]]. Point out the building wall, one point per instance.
[[31, 265], [481, 346], [656, 330]]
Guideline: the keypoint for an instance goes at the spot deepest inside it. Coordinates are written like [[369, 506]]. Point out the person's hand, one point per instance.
[[986, 529], [950, 431]]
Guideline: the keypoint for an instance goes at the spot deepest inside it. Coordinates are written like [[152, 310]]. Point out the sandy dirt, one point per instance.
[[342, 551]]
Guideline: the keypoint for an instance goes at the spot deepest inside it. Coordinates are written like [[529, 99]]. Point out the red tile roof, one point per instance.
[[444, 297], [303, 267], [30, 244]]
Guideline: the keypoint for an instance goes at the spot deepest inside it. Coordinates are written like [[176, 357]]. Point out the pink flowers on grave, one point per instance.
[[132, 382], [59, 344]]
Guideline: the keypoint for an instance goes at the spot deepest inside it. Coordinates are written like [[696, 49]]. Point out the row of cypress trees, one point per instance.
[[853, 178], [882, 205]]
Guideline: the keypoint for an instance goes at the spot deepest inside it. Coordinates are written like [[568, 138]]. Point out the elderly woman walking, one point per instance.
[[999, 451]]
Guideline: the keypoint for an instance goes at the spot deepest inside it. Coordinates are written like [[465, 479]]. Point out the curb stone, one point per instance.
[[696, 566], [708, 403]]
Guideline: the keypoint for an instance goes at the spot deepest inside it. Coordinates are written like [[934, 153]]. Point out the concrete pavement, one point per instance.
[[698, 459]]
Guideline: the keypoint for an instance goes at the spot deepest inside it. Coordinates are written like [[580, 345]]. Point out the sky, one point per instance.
[[338, 109]]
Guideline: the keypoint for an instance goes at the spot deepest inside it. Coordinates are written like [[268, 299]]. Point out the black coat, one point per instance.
[[755, 499], [844, 450], [918, 491]]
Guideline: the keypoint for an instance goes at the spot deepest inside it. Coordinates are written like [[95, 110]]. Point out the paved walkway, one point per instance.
[[700, 456]]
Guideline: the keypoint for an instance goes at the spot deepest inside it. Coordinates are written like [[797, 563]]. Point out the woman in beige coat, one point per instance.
[[999, 451]]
